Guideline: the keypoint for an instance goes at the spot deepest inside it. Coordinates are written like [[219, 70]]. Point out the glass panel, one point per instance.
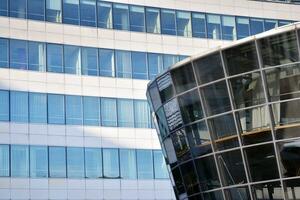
[[91, 111], [37, 56], [88, 12], [257, 26], [155, 64], [111, 163], [108, 112], [4, 52], [104, 15], [170, 60], [213, 26], [72, 59], [123, 64], [75, 156], [56, 110], [106, 62], [128, 164], [18, 54], [121, 16], [152, 20], [19, 160], [154, 94], [18, 106], [137, 18], [38, 161], [168, 23], [36, 9], [243, 27], [189, 178], [238, 193], [270, 190], [53, 10], [4, 7], [144, 164], [173, 114], [165, 87], [181, 145], [242, 58], [184, 24], [93, 163], [270, 24], [170, 152], [279, 49], [4, 105], [55, 58], [291, 189], [141, 114], [17, 8], [216, 195], [183, 78], [160, 167], [71, 12], [89, 61], [199, 25], [57, 162], [4, 160], [162, 122], [73, 110], [228, 28], [37, 108], [139, 65], [179, 187], [125, 113], [209, 68]]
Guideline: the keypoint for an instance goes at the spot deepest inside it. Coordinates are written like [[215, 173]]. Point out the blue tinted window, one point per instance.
[[18, 106], [139, 65], [18, 8], [55, 58], [75, 162], [145, 164], [91, 111], [4, 53], [93, 163], [72, 59], [36, 9], [155, 64], [243, 27], [228, 28], [37, 108], [57, 162], [123, 64], [108, 112], [168, 24], [213, 26], [73, 110], [19, 161], [125, 113], [257, 26], [152, 20], [71, 11], [111, 163], [121, 16], [283, 22], [106, 62], [3, 7], [270, 24], [36, 56], [88, 12], [104, 15], [137, 18], [4, 105], [18, 54], [199, 25], [38, 161], [184, 24], [160, 167], [53, 10], [89, 61], [56, 111], [170, 60], [4, 160], [128, 164], [141, 114]]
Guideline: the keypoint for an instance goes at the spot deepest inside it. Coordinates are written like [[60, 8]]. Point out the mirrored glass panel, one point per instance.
[[257, 26], [74, 111], [123, 64], [173, 114], [108, 112], [183, 78], [91, 111], [189, 177], [270, 24], [139, 65], [128, 164], [216, 195], [178, 183], [141, 114], [125, 113], [18, 8], [19, 106], [56, 109], [160, 167], [155, 64], [75, 162], [292, 189], [269, 190], [4, 105], [55, 58], [237, 193], [165, 87], [170, 60], [4, 53], [4, 8], [107, 62], [36, 56], [89, 61], [72, 59], [162, 123], [152, 20], [144, 164], [37, 108], [18, 54]]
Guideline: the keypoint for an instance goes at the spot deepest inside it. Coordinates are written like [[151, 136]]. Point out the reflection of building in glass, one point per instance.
[[229, 120]]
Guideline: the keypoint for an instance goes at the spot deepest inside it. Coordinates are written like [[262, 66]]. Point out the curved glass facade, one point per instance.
[[228, 120]]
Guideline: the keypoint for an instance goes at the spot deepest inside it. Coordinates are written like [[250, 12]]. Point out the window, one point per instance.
[[4, 53], [125, 113], [145, 164], [228, 28], [93, 163], [155, 64], [3, 8], [183, 78], [104, 15], [121, 16], [4, 105], [72, 59], [123, 64], [91, 111], [109, 112], [270, 24], [88, 12], [160, 167], [137, 18], [57, 162], [89, 61], [152, 20], [71, 11], [257, 26], [243, 27], [283, 22], [18, 54], [18, 106], [36, 9], [56, 111], [111, 163], [128, 164], [19, 161], [36, 56], [75, 162], [37, 108], [55, 58], [184, 25], [199, 25], [106, 62], [181, 146], [18, 8], [189, 178], [168, 23], [73, 110], [214, 26], [139, 65], [4, 160], [169, 60], [190, 106], [141, 114], [38, 161], [53, 10]]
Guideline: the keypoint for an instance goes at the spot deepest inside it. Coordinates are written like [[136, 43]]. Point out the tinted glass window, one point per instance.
[[168, 23], [170, 60], [152, 20], [106, 62], [145, 164], [4, 160], [19, 159], [37, 108], [18, 8], [55, 58], [104, 14], [72, 59], [270, 24], [75, 156], [73, 110], [89, 61], [165, 87], [4, 8], [93, 163], [184, 24], [91, 111], [37, 56], [125, 113], [108, 112], [123, 64], [199, 25], [141, 114], [36, 9], [269, 190], [214, 26], [243, 27], [121, 16], [38, 161], [155, 64], [4, 52], [137, 18], [178, 183], [56, 110], [111, 163], [71, 11], [139, 65], [18, 106], [57, 162], [4, 105], [88, 12], [53, 10], [183, 78], [257, 26], [128, 164], [181, 145], [18, 54], [160, 167], [189, 178], [228, 28]]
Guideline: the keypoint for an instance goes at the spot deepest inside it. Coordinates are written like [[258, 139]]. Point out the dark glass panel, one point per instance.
[[4, 43], [238, 193], [154, 94], [181, 145], [170, 152], [267, 191], [183, 78], [55, 58], [292, 189], [162, 122], [177, 178], [152, 20], [165, 87], [189, 177], [88, 12], [4, 7], [216, 195], [89, 61], [17, 8], [71, 12], [53, 10], [18, 54], [270, 24], [257, 26]]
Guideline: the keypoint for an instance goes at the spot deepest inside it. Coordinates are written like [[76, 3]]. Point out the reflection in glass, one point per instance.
[[162, 122], [189, 178], [36, 56], [155, 64], [72, 59], [257, 26], [183, 78], [18, 8], [19, 106], [165, 87], [181, 145], [292, 189], [71, 12], [88, 12], [238, 193], [177, 179], [270, 24], [266, 191], [160, 167], [170, 152]]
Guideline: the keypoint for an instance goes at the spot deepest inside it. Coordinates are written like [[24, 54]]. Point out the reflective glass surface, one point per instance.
[[38, 161], [4, 53], [111, 163], [4, 105], [4, 160], [183, 78], [144, 164], [190, 106], [128, 164], [168, 22], [57, 162], [36, 9], [19, 160], [75, 162], [93, 162]]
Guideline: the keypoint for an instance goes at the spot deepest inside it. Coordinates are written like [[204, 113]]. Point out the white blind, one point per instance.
[[53, 4]]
